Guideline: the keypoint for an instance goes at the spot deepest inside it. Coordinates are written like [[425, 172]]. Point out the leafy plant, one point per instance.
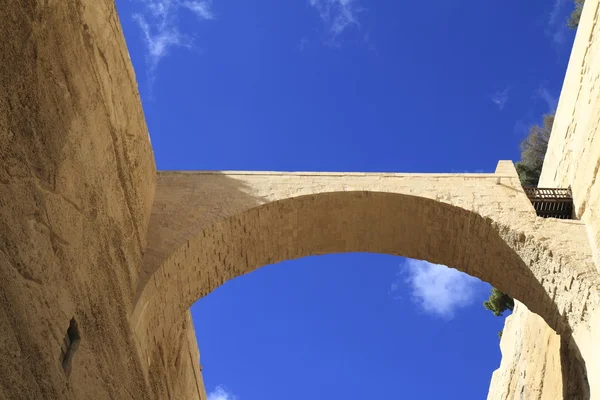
[[499, 302], [573, 21]]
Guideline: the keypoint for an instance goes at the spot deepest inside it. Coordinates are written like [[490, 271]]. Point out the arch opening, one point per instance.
[[338, 309]]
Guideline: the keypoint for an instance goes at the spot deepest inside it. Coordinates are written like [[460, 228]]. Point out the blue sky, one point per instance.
[[345, 85]]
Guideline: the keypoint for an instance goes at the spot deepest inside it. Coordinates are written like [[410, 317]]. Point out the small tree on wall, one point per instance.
[[527, 175], [499, 302], [533, 151], [573, 21]]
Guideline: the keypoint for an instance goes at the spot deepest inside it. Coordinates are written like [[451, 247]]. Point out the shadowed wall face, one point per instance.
[[77, 181]]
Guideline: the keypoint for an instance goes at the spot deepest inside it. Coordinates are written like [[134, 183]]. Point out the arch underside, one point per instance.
[[337, 222]]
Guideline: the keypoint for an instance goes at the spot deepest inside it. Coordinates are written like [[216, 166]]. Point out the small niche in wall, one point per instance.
[[69, 346]]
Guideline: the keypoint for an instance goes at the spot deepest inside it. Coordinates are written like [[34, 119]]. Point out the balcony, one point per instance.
[[551, 203]]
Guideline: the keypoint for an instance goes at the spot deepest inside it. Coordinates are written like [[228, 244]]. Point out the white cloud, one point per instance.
[[437, 289], [337, 15], [158, 21], [201, 8], [303, 43], [554, 13], [556, 27], [521, 127], [220, 393], [500, 98], [544, 94]]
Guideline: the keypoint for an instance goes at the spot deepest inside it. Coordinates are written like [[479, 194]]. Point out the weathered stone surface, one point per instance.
[[573, 157], [209, 227], [77, 181], [574, 151], [531, 365], [86, 232]]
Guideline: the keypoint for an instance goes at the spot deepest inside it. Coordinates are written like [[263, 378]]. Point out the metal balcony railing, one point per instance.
[[551, 203]]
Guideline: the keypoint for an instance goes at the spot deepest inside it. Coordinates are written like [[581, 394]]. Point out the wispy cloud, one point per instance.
[[544, 94], [202, 8], [337, 15], [220, 393], [554, 12], [521, 126], [437, 289], [303, 43], [500, 98], [158, 21], [556, 27]]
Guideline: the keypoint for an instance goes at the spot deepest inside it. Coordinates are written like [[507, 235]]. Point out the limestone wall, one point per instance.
[[177, 369], [77, 181], [573, 157], [531, 366]]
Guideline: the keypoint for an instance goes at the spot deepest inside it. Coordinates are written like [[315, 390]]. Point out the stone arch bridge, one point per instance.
[[90, 233], [208, 227]]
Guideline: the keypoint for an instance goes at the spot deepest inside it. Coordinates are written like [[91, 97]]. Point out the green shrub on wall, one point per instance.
[[573, 21]]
